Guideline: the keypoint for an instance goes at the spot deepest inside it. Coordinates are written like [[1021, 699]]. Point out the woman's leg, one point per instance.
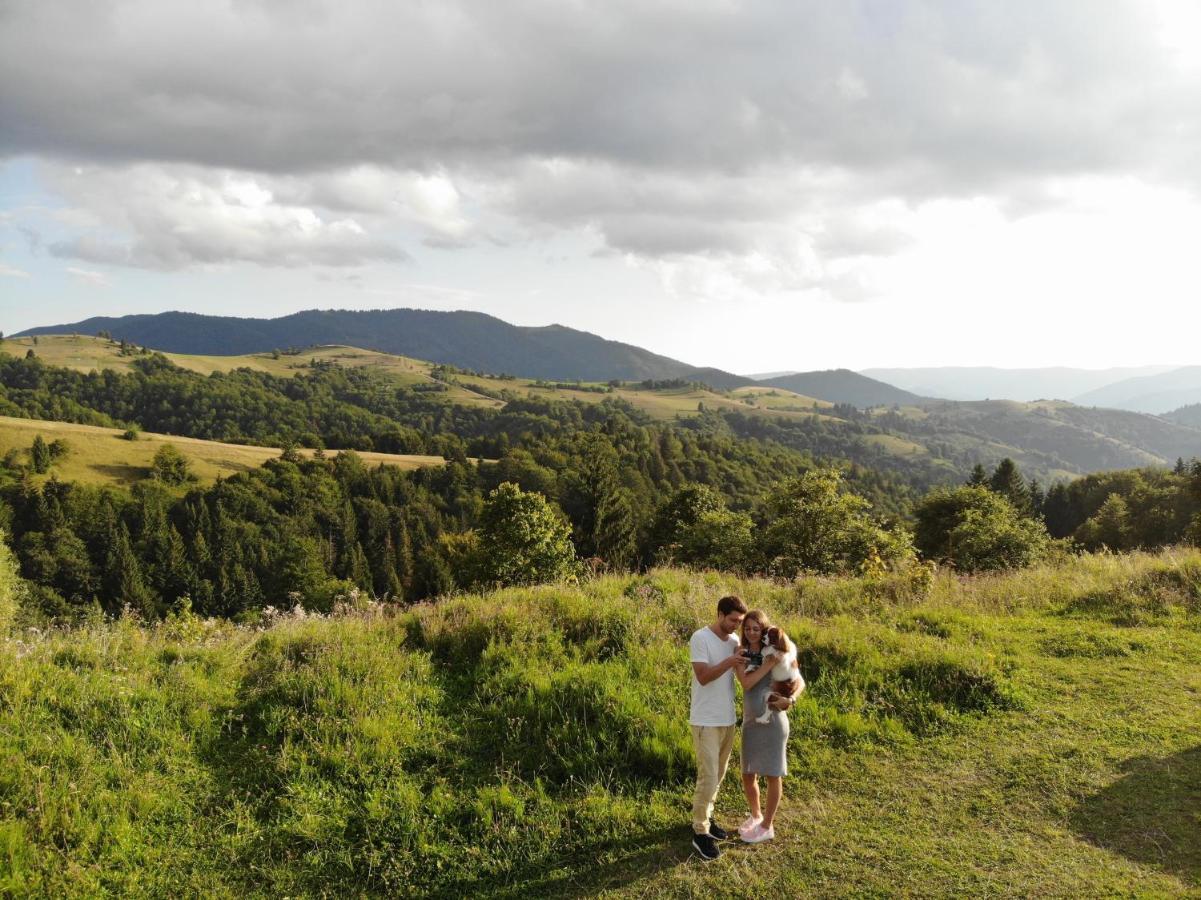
[[750, 787], [775, 791]]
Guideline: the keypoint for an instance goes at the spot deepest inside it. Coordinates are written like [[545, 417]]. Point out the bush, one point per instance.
[[976, 530], [816, 525]]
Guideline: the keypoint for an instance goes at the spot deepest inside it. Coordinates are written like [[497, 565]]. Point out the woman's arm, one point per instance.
[[749, 679]]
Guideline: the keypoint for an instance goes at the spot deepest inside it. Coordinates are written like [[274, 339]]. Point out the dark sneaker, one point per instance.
[[717, 832], [705, 846]]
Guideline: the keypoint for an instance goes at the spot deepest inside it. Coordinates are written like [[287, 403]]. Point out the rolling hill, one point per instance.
[[103, 456], [469, 340], [843, 386], [931, 441], [992, 383], [1154, 394]]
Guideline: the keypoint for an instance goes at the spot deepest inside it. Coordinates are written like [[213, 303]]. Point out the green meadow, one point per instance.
[[1028, 734], [84, 353], [103, 456]]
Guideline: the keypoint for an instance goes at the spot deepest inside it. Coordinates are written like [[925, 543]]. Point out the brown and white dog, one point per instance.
[[780, 653]]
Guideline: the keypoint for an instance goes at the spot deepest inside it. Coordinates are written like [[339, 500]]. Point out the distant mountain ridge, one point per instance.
[[844, 386], [471, 340], [1156, 394], [993, 383]]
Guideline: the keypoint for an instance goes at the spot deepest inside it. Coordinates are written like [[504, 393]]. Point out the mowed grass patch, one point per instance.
[[103, 456]]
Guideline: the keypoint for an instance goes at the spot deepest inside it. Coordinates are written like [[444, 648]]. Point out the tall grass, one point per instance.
[[478, 743]]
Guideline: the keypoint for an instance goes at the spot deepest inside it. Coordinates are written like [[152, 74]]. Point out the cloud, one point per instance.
[[171, 217], [749, 143], [89, 277], [7, 271]]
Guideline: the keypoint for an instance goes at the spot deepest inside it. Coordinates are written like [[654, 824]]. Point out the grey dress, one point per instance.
[[764, 747]]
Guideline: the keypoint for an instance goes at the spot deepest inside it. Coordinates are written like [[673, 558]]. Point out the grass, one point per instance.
[[1036, 733], [84, 353], [103, 456]]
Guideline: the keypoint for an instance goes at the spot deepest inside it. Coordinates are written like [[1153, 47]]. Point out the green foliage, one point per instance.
[[9, 582], [694, 527], [816, 525], [170, 466], [976, 529], [39, 455], [522, 539]]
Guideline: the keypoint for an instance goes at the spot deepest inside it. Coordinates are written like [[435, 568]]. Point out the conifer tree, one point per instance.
[[39, 455], [1007, 481], [124, 584]]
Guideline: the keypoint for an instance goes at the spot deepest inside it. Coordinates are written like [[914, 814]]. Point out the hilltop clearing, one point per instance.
[[103, 456], [1026, 734]]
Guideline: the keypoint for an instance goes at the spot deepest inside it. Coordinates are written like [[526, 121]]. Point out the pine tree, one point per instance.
[[979, 477], [124, 584], [1007, 481], [39, 455]]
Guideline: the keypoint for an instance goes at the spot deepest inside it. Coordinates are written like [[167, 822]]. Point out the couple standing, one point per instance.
[[718, 656]]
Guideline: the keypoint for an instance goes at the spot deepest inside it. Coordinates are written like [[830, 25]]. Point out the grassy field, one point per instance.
[[1031, 734], [103, 456], [84, 353]]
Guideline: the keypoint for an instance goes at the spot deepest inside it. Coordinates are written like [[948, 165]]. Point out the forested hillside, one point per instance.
[[469, 339]]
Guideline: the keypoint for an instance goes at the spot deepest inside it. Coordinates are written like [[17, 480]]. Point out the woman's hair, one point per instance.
[[759, 617]]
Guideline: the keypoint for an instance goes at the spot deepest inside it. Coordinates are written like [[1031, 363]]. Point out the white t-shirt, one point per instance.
[[712, 703]]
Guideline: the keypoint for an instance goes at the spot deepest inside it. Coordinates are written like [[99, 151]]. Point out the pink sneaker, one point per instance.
[[749, 823], [759, 834]]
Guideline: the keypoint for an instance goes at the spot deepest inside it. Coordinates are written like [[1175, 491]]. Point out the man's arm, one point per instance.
[[705, 672]]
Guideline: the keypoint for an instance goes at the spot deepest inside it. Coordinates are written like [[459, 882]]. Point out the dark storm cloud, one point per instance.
[[946, 91], [705, 127]]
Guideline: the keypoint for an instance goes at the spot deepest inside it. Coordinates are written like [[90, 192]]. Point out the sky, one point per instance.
[[757, 186]]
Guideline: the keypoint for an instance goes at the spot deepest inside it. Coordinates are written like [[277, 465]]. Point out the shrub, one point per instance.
[[816, 525], [523, 540], [976, 530]]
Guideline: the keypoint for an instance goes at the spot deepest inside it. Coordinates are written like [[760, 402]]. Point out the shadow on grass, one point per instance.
[[123, 474], [643, 855], [1151, 815]]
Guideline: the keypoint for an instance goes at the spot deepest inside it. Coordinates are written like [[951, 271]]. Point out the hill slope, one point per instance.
[[102, 456], [991, 383], [1024, 735], [843, 386], [467, 339], [1150, 394]]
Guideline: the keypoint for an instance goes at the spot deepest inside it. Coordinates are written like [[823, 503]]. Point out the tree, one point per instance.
[[39, 455], [975, 529], [1007, 481], [694, 527], [523, 540], [1109, 527], [818, 526], [979, 477], [170, 466]]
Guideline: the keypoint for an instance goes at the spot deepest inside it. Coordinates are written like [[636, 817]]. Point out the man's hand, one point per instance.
[[738, 661]]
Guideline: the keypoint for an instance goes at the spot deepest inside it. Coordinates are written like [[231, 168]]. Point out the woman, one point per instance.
[[764, 746]]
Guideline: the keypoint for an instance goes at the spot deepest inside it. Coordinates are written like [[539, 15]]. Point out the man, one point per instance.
[[715, 654]]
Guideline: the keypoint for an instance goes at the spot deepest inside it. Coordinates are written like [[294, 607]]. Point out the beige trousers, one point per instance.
[[712, 744]]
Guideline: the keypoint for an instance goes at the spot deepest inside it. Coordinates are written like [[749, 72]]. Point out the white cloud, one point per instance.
[[10, 272], [88, 277], [170, 217], [736, 149]]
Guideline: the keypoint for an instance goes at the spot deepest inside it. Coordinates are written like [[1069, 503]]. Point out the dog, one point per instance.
[[780, 652]]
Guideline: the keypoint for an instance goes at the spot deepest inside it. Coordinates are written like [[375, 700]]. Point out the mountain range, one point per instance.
[[477, 341], [470, 340]]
